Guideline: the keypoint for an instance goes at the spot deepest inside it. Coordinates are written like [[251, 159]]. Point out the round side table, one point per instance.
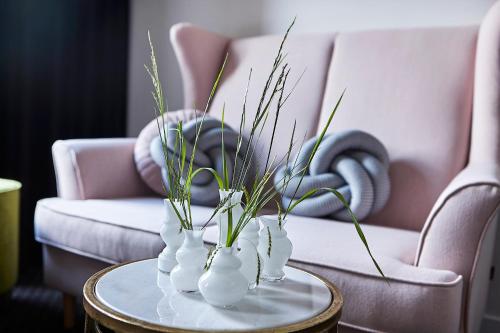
[[136, 297]]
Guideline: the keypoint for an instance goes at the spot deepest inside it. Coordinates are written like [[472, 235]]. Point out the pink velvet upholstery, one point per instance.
[[117, 230], [198, 69], [456, 228], [256, 54], [457, 233], [97, 169], [339, 255], [431, 95], [112, 230], [412, 89], [304, 104], [485, 136]]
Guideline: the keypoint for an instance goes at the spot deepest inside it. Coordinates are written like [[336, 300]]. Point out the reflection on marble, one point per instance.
[[139, 290]]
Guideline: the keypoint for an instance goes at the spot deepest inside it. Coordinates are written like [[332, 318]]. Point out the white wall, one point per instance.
[[252, 17], [325, 15]]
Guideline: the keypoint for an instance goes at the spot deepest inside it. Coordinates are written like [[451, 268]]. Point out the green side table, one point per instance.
[[9, 233]]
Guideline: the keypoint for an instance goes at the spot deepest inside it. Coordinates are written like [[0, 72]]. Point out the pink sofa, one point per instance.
[[432, 96]]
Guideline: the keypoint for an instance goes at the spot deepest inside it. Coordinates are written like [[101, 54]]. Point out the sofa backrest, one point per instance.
[[411, 88], [256, 54]]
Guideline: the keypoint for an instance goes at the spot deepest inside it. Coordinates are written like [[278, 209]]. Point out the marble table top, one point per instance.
[[140, 291]]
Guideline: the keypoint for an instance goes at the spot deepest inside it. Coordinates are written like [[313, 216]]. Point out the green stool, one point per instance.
[[9, 233]]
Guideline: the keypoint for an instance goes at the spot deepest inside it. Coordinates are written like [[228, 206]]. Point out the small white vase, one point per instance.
[[223, 284], [191, 258], [251, 232], [236, 211], [172, 236], [251, 262], [274, 247]]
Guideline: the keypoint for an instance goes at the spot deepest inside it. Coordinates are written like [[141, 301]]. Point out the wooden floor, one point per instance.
[[31, 307]]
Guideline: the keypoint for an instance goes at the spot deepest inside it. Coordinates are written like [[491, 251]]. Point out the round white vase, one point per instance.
[[223, 284], [191, 258], [251, 262], [274, 248], [172, 236], [232, 204], [251, 232]]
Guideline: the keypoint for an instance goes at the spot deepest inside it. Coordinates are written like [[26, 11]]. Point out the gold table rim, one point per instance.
[[115, 320]]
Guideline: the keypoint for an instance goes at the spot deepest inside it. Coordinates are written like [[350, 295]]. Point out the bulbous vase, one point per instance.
[[191, 258], [223, 284], [251, 261], [274, 248], [232, 207], [172, 236]]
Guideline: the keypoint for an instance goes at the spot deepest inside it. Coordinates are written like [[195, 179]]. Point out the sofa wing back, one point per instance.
[[459, 234], [308, 56], [485, 137], [200, 55]]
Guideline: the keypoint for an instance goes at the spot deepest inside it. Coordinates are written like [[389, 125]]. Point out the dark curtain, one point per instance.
[[63, 71]]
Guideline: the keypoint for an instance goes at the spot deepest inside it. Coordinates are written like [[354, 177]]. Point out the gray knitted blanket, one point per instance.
[[353, 162], [204, 190]]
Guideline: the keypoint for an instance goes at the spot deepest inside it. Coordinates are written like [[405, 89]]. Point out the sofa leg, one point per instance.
[[69, 307]]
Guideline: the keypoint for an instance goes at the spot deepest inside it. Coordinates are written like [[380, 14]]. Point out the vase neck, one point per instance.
[[225, 258], [272, 222], [194, 237], [169, 206], [235, 196], [225, 250], [251, 227]]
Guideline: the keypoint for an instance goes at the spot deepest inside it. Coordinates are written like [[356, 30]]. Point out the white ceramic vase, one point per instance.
[[251, 262], [223, 284], [274, 247], [172, 236], [191, 258], [236, 211], [251, 232]]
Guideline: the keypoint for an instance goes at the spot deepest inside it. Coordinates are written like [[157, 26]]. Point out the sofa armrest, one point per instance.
[[97, 169], [459, 234], [456, 223]]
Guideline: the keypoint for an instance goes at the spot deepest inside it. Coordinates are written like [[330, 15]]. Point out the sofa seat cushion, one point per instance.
[[336, 244], [128, 229], [333, 250], [113, 231]]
